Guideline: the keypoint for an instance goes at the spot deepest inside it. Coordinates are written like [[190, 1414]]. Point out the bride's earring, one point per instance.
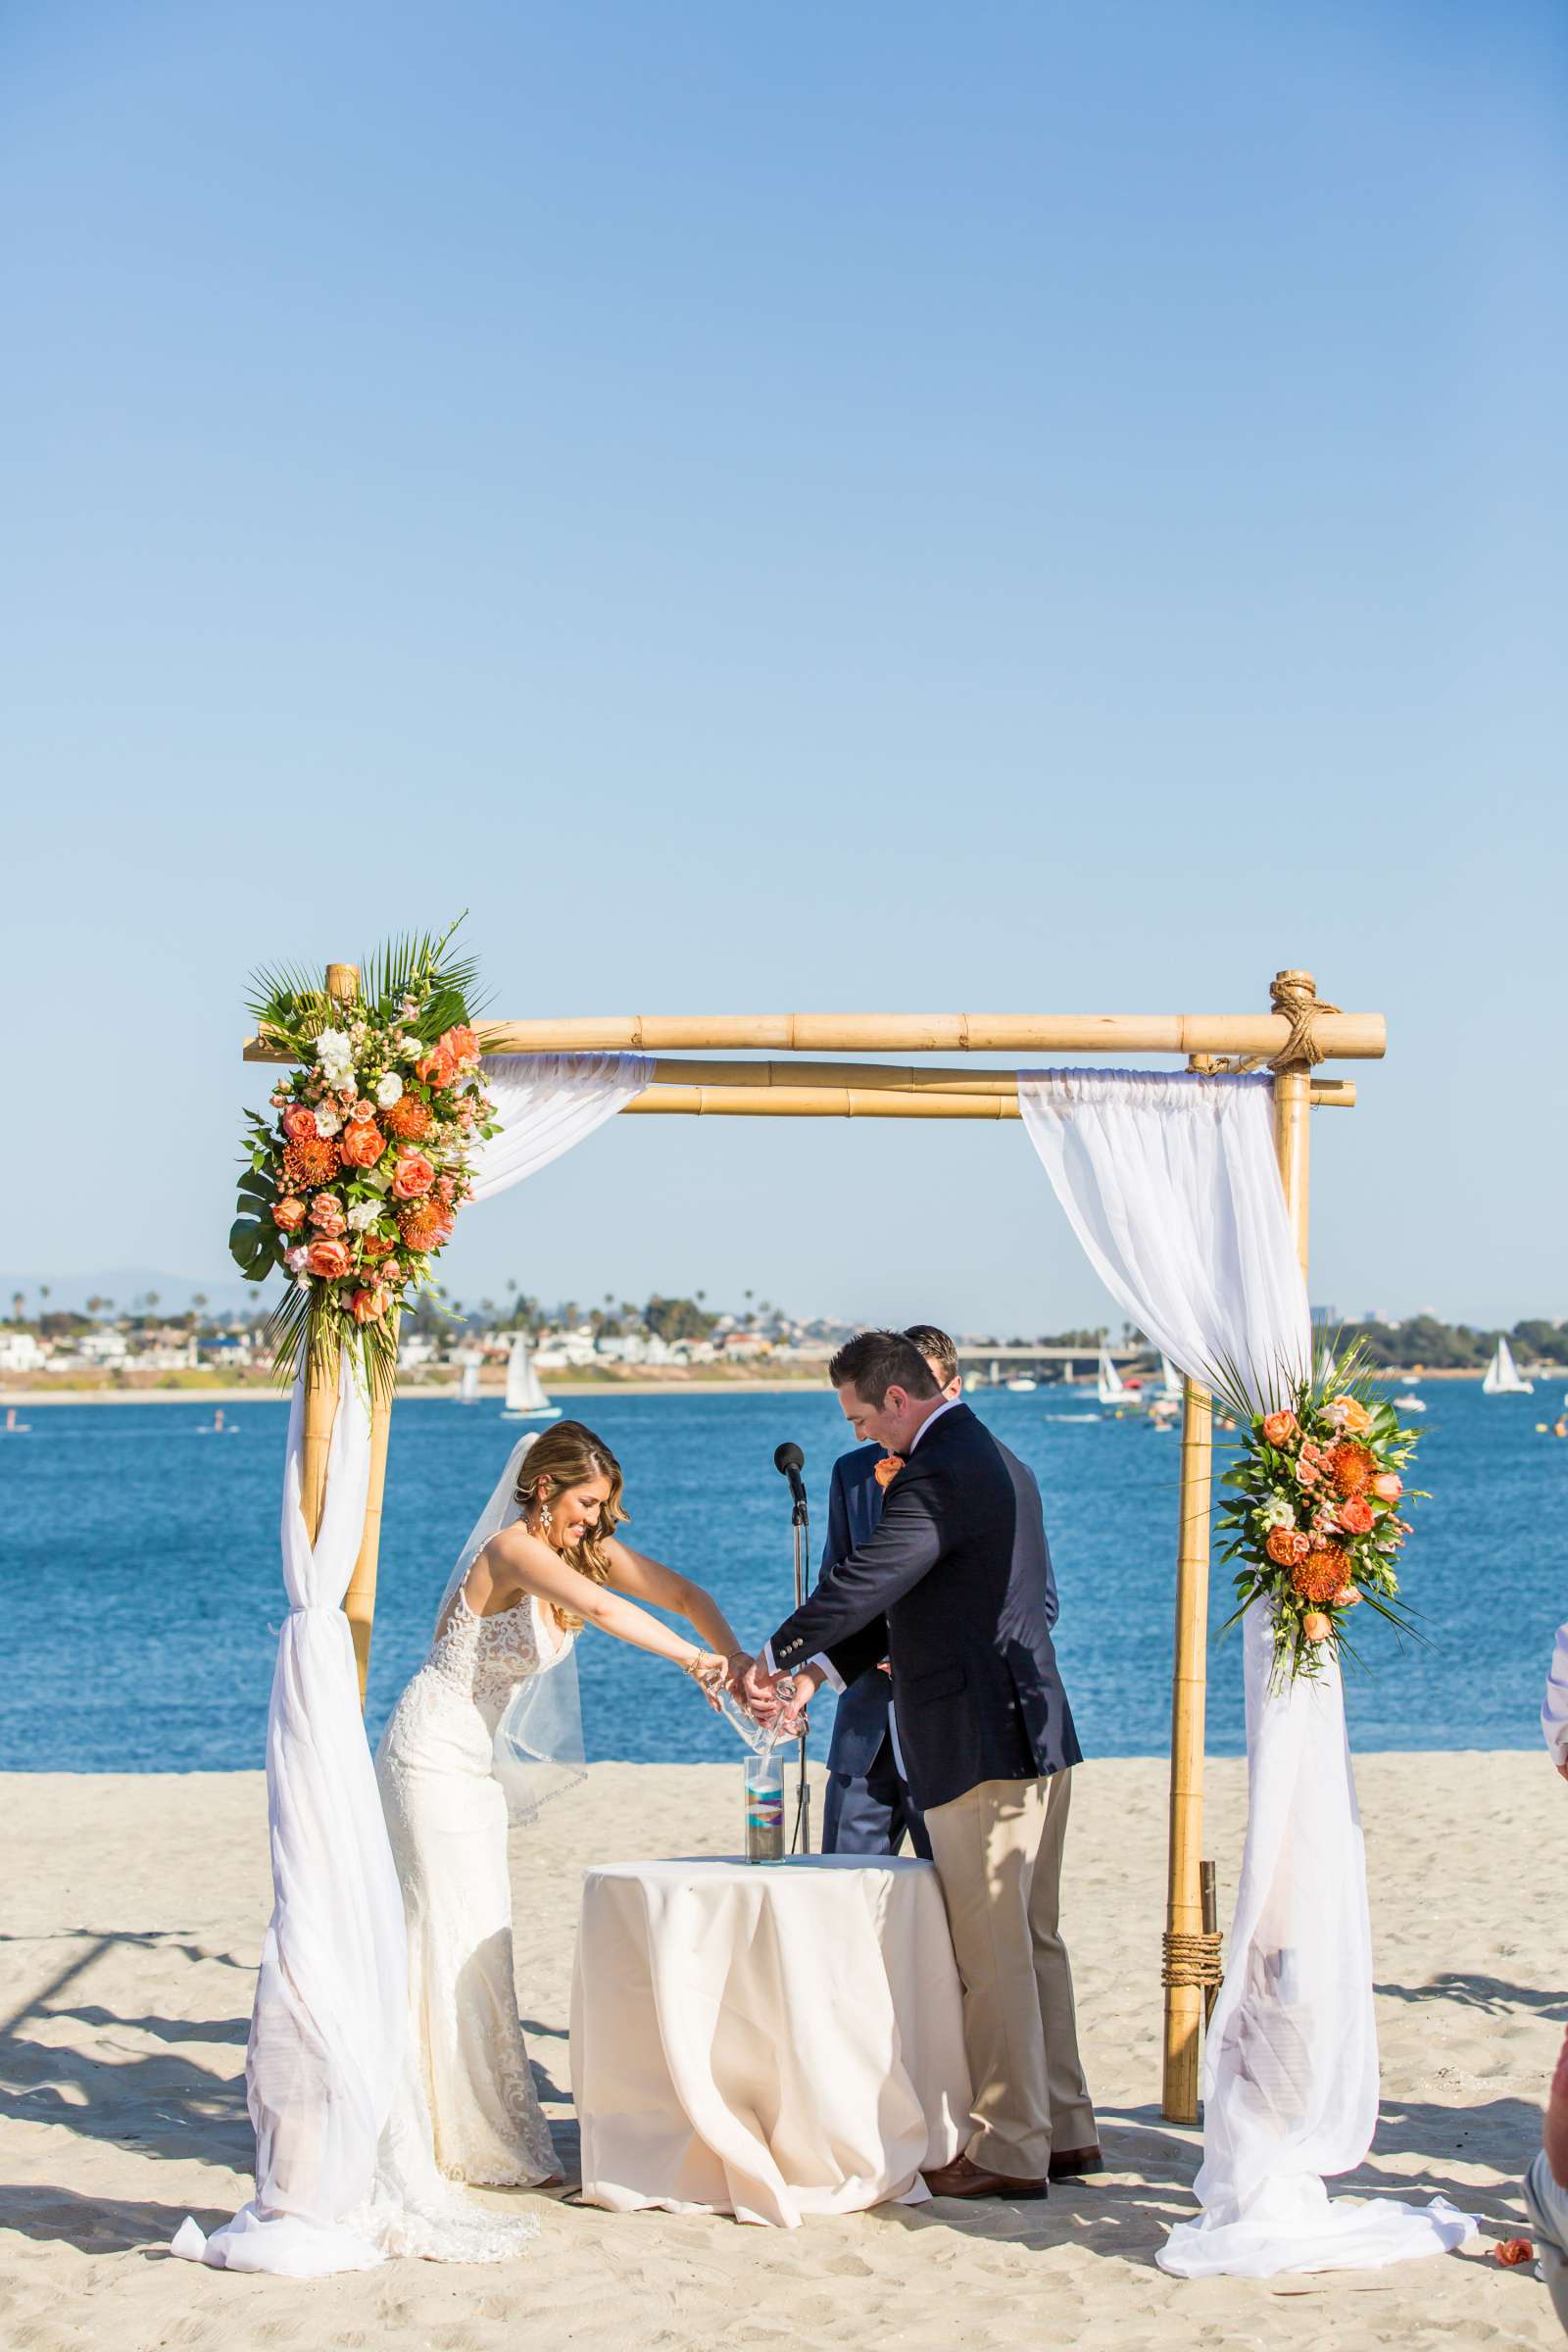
[[544, 1519]]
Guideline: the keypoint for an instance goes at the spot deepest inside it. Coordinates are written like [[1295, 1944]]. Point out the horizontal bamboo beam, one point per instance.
[[862, 1103], [1339, 1036], [819, 1102]]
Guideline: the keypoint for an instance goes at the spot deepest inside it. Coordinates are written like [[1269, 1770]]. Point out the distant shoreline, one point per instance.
[[561, 1395]]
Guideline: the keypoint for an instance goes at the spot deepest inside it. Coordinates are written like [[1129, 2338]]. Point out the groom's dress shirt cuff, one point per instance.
[[821, 1664]]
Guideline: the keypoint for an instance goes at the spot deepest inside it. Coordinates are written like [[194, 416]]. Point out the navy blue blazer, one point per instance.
[[853, 1507], [954, 1586]]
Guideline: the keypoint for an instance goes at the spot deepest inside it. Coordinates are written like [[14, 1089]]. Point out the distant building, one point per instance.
[[19, 1352], [1326, 1318]]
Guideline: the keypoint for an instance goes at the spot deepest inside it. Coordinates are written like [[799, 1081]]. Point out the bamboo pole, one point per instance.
[[1183, 1898], [784, 1101], [1340, 1036], [359, 1601]]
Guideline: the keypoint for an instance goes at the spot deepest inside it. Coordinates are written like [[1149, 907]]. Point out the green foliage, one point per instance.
[[670, 1319]]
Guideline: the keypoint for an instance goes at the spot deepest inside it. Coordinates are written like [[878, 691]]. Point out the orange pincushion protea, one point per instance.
[[408, 1120], [310, 1161], [1322, 1573], [1351, 1467]]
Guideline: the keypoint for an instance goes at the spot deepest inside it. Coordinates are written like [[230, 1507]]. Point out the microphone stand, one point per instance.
[[800, 1843]]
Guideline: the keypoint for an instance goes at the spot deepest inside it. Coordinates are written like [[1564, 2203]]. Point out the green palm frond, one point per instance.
[[421, 962]]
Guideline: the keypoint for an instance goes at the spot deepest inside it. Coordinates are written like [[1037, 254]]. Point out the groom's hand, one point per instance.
[[806, 1681], [756, 1691], [737, 1666]]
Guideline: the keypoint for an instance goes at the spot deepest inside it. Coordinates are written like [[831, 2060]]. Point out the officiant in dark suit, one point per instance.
[[869, 1808], [954, 1587]]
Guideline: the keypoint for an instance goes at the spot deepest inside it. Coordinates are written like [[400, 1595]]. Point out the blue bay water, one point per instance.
[[138, 1567]]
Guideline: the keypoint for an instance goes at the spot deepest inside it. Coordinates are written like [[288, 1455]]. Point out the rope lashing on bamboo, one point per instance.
[[1193, 1959], [1293, 995]]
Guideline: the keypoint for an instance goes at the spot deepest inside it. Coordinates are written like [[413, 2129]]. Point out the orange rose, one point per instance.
[[1350, 1413], [329, 1259], [461, 1045], [1279, 1428], [1316, 1627], [288, 1216], [1356, 1516], [412, 1176], [1286, 1545], [368, 1306], [377, 1244], [437, 1067], [298, 1124], [1388, 1485], [361, 1144], [887, 1469], [407, 1119]]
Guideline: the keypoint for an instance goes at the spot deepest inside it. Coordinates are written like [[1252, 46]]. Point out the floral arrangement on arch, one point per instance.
[[354, 1184], [1315, 1515]]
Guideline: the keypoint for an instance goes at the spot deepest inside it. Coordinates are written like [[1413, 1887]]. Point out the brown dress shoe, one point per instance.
[[961, 2178], [1074, 2161]]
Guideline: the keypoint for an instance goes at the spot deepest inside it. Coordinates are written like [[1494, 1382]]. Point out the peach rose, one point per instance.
[[1279, 1428], [368, 1306], [288, 1216], [1307, 1473], [1388, 1485], [412, 1176], [437, 1067], [326, 1214], [1356, 1516], [377, 1244], [446, 1188], [361, 1144], [1286, 1545], [298, 1124], [1316, 1627], [1350, 1413], [329, 1259], [887, 1469], [461, 1045], [362, 1109], [1346, 1597]]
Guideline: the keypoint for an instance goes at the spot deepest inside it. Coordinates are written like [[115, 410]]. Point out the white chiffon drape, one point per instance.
[[327, 2025], [1170, 1182], [338, 2144]]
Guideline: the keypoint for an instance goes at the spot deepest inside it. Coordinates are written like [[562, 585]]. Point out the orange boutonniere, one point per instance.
[[888, 1468]]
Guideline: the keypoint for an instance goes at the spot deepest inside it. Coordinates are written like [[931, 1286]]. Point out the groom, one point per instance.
[[952, 1586]]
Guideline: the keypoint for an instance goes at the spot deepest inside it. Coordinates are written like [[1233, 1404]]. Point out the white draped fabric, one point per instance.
[[327, 2026], [1555, 1705], [325, 2063], [1171, 1182], [547, 1102]]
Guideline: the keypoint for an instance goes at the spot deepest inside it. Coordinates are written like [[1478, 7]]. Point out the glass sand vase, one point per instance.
[[763, 1778]]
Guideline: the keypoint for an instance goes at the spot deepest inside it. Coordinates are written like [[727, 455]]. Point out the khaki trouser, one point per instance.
[[997, 1854]]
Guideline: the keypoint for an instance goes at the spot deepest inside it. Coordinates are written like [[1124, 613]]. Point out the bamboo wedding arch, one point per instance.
[[1291, 1039]]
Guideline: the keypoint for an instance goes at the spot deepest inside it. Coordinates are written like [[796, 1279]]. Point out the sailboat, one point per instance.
[[527, 1399], [1170, 1381], [1410, 1402], [468, 1383], [1114, 1390], [1502, 1375]]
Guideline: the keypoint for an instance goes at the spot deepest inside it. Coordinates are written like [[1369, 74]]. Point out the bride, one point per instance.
[[492, 1716]]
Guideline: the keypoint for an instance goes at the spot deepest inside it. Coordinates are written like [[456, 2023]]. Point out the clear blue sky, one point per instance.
[[809, 506]]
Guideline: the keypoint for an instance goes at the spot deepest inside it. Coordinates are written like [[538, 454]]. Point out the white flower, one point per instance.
[[335, 1054], [364, 1214], [410, 1049], [295, 1260], [388, 1089], [1275, 1512], [328, 1120]]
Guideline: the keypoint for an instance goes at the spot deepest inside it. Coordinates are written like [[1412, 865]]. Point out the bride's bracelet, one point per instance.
[[694, 1665]]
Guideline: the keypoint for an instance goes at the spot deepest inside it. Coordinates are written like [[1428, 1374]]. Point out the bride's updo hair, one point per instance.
[[569, 1456]]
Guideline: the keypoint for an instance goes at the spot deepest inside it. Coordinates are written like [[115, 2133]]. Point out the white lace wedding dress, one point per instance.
[[446, 1816]]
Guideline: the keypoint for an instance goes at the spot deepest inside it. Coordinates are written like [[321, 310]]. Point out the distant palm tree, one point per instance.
[[17, 1306], [95, 1305]]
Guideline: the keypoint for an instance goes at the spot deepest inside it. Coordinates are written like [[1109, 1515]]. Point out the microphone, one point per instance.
[[789, 1461]]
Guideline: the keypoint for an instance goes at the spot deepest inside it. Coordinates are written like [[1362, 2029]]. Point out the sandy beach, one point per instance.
[[135, 1905]]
